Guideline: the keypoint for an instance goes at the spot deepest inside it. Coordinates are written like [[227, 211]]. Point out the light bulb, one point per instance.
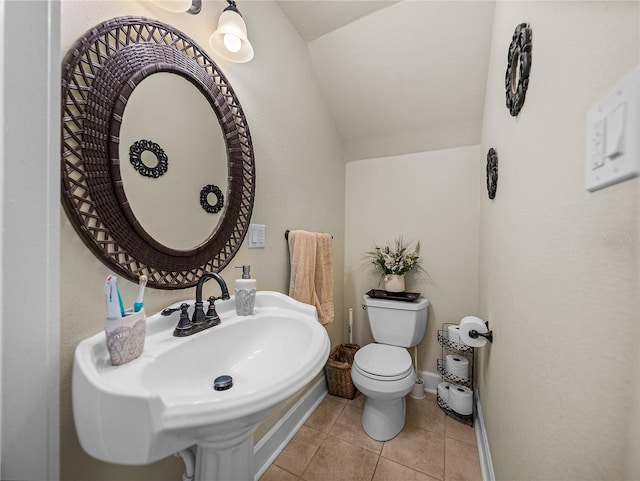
[[232, 42], [175, 6]]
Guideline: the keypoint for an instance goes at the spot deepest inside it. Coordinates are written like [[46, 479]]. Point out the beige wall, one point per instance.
[[431, 197], [300, 184], [561, 294]]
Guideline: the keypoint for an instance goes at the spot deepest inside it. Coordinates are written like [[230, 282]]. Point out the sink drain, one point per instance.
[[222, 383]]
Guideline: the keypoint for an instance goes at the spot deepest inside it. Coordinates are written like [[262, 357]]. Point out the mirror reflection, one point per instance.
[[185, 128], [149, 159]]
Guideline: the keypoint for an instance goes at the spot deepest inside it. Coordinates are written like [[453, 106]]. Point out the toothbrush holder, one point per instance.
[[125, 336]]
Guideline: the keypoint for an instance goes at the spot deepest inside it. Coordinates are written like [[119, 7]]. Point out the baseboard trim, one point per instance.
[[486, 465], [272, 444]]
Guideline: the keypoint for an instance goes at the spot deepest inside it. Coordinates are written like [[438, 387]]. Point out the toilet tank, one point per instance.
[[397, 323]]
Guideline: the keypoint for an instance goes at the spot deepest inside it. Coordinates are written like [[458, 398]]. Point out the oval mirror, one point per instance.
[[111, 173], [191, 141]]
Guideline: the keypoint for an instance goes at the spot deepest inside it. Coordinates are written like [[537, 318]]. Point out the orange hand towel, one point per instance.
[[311, 279]]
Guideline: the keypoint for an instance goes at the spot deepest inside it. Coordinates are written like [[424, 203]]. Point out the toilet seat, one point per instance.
[[383, 362]]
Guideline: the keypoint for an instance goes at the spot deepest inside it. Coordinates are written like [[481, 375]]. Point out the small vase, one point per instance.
[[394, 283]]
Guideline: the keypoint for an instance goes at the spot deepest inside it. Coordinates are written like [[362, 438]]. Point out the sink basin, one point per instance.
[[164, 402]]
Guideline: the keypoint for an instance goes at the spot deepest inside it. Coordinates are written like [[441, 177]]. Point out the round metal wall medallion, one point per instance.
[[492, 173], [205, 199], [518, 67], [141, 156]]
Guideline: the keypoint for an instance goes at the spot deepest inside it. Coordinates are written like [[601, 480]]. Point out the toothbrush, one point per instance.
[[112, 297], [120, 304], [138, 304]]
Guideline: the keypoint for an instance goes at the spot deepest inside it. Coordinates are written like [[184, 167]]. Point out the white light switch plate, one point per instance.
[[613, 137], [257, 236]]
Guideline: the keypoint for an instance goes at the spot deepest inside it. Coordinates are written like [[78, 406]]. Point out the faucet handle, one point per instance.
[[168, 311], [212, 307], [184, 324], [212, 315]]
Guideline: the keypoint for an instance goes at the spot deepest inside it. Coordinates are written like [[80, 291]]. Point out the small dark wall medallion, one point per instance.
[[204, 199], [148, 158], [492, 173], [518, 67]]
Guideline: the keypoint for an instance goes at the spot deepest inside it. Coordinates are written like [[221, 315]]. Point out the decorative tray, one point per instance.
[[394, 296]]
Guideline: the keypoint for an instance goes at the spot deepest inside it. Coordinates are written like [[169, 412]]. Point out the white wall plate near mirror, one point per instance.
[[136, 161]]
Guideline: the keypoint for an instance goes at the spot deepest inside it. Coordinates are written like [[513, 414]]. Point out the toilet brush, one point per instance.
[[417, 392]]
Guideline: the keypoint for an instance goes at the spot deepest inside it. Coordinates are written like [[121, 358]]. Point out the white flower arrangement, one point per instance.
[[396, 261]]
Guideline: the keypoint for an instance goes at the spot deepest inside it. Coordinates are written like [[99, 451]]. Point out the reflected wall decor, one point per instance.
[[142, 150]]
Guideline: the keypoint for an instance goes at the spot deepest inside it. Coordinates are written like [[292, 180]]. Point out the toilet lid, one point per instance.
[[382, 360]]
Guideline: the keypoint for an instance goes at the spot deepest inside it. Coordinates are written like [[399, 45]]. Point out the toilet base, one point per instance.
[[383, 419]]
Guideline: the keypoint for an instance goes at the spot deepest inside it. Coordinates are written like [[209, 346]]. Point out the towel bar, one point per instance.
[[286, 234]]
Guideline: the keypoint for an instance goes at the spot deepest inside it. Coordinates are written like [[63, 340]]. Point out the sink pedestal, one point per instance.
[[226, 458]]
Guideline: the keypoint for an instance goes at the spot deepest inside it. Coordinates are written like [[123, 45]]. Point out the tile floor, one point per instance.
[[332, 446]]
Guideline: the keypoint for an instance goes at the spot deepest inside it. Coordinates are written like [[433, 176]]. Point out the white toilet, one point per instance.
[[383, 371]]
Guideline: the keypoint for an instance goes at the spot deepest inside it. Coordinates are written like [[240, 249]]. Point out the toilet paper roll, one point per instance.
[[471, 323], [461, 399], [443, 391], [454, 333], [457, 365]]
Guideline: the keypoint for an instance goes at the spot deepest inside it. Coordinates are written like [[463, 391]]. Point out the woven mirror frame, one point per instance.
[[99, 73]]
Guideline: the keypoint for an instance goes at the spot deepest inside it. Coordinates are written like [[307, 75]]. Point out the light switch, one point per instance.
[[613, 142], [257, 236], [616, 121]]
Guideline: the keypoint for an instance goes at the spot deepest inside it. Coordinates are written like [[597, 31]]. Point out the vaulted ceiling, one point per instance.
[[314, 18], [399, 77]]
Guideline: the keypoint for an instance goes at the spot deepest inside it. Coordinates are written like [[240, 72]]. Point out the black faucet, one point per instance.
[[199, 321], [198, 312]]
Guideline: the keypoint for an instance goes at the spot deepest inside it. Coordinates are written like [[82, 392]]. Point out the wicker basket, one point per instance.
[[338, 371]]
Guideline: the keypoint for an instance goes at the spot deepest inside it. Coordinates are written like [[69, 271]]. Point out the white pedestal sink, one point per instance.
[[164, 401]]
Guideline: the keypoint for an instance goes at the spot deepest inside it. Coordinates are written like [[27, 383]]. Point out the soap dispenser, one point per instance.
[[245, 292]]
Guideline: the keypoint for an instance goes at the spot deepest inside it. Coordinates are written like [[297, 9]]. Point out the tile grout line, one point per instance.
[[301, 476], [373, 475], [327, 435]]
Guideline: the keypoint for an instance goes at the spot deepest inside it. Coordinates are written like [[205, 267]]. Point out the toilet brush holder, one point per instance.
[[417, 392]]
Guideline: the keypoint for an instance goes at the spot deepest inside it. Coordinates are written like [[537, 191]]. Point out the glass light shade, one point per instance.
[[231, 24], [232, 43], [176, 6]]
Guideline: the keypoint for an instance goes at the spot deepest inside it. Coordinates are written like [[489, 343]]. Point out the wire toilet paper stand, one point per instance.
[[456, 351]]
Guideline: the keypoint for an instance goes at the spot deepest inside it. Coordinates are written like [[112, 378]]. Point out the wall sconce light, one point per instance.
[[230, 40], [178, 6]]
